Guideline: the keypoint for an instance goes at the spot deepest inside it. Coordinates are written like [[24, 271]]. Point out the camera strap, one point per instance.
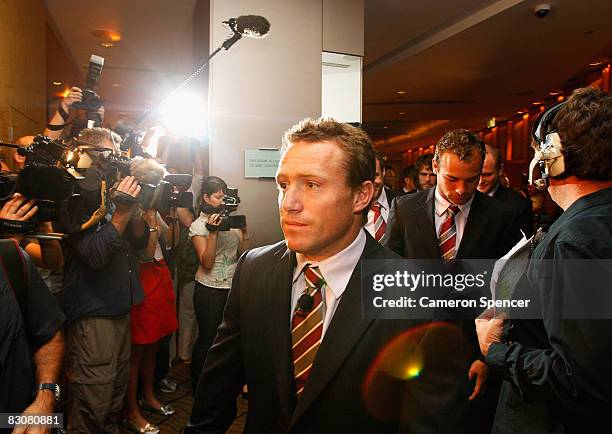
[[13, 266]]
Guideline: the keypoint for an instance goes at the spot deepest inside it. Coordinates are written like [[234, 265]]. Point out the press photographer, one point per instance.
[[218, 247], [100, 286]]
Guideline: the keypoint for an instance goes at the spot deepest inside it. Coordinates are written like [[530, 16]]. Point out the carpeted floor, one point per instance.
[[181, 400]]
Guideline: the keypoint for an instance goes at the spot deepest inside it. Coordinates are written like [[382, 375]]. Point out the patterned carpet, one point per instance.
[[181, 400]]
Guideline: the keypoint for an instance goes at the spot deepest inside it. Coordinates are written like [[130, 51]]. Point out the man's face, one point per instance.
[[389, 178], [490, 175], [320, 213], [427, 178], [457, 180], [378, 180]]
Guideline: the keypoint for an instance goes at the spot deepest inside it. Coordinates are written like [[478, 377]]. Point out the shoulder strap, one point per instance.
[[14, 268]]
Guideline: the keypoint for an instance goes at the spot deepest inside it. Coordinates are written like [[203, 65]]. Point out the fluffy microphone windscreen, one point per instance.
[[254, 26]]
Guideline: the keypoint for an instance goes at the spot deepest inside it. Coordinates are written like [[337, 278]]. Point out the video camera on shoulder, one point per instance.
[[229, 205]]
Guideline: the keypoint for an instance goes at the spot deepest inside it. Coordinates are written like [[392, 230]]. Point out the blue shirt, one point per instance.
[[101, 272]]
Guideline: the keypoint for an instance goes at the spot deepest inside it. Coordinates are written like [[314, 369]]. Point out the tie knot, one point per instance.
[[453, 209], [375, 206], [314, 278]]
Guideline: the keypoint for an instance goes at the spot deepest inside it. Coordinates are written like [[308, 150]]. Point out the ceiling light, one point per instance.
[[57, 83], [596, 63], [537, 103], [116, 85], [402, 113], [401, 92], [520, 112], [554, 93], [115, 37], [386, 126], [107, 44]]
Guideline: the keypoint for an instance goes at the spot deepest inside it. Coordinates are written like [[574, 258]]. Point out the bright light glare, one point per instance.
[[184, 113]]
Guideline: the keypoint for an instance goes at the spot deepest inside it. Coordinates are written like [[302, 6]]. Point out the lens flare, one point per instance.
[[416, 373]]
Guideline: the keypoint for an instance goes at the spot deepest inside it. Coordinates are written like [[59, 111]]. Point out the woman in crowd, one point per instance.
[[155, 317], [218, 253]]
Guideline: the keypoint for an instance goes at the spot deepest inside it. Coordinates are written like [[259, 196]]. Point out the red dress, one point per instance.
[[155, 317]]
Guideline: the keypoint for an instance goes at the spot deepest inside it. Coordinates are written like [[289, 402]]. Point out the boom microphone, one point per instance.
[[253, 26]]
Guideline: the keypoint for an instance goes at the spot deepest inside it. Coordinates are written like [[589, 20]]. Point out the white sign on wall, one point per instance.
[[261, 163]]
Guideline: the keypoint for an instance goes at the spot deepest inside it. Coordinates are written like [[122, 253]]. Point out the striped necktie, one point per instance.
[[380, 226], [448, 235], [307, 326]]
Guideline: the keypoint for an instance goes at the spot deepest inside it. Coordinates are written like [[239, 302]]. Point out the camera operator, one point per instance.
[[100, 286], [218, 253], [57, 123], [557, 371], [32, 343]]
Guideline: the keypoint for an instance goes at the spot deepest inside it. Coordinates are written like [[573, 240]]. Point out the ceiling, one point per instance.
[[459, 62]]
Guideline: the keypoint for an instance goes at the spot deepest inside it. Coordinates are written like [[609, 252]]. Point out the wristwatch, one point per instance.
[[49, 386], [153, 229]]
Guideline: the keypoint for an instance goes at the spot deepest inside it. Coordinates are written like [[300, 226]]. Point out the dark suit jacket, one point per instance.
[[491, 230], [522, 205], [253, 345]]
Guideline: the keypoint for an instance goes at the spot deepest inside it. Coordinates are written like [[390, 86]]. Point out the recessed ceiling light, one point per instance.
[[116, 85], [596, 63], [401, 92], [537, 103], [57, 83], [520, 112], [107, 44], [554, 93], [402, 113], [386, 126]]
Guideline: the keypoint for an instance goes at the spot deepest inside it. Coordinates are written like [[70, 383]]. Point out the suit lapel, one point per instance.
[[426, 227], [279, 297], [474, 228], [345, 330]]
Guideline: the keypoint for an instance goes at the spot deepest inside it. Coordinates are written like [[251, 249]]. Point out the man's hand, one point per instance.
[[481, 371], [43, 404], [489, 330], [18, 208], [75, 95], [129, 186]]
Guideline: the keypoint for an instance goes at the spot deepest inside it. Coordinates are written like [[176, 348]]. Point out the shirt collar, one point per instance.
[[442, 205], [382, 199], [337, 269]]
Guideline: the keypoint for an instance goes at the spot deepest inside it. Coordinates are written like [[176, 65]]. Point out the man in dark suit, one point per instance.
[[381, 202], [489, 184], [455, 221], [293, 329]]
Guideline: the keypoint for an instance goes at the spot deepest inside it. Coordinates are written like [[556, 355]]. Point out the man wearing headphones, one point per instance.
[[556, 364]]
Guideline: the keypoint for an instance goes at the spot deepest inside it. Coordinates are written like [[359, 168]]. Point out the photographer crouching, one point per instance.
[[100, 286]]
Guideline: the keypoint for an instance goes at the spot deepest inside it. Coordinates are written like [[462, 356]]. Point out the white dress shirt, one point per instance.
[[440, 215], [384, 211], [336, 270]]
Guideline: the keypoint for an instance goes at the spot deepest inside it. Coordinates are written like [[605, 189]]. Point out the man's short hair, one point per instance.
[[97, 135], [147, 170], [360, 161], [410, 172], [584, 125], [462, 143], [496, 153], [424, 161]]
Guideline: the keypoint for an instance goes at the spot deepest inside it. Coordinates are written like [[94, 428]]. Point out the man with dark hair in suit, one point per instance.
[[408, 180], [455, 221], [490, 184], [381, 201], [557, 370], [425, 177], [292, 328]]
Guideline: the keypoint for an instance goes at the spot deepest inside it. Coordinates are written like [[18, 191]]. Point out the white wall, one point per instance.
[[258, 89]]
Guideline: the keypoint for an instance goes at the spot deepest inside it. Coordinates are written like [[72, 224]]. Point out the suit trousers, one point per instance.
[[209, 304]]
